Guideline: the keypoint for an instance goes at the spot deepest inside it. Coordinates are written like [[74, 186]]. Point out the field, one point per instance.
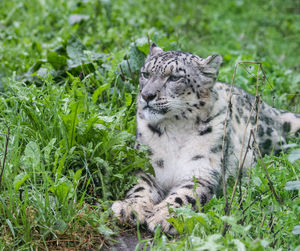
[[68, 84]]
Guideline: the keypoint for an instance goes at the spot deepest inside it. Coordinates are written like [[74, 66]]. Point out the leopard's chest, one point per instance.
[[177, 152]]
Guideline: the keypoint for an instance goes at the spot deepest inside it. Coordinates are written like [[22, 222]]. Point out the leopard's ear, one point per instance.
[[211, 64], [154, 50]]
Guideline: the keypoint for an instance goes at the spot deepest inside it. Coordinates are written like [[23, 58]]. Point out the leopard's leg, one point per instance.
[[187, 193], [139, 200]]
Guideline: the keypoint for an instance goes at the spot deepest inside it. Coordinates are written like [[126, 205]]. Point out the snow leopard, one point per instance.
[[194, 126]]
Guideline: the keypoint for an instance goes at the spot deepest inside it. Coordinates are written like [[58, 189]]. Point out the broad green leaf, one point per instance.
[[136, 58], [63, 189], [60, 225], [47, 150], [107, 119], [239, 245], [75, 49], [11, 227], [19, 180], [294, 155], [142, 45], [105, 230], [211, 243], [57, 61], [128, 99], [292, 185], [77, 18], [98, 91], [77, 176], [296, 230], [32, 155], [61, 163]]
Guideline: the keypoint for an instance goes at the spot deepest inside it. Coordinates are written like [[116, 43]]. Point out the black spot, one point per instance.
[[267, 120], [188, 186], [253, 120], [183, 115], [146, 180], [280, 143], [297, 133], [240, 111], [190, 200], [210, 189], [198, 120], [200, 183], [202, 103], [216, 175], [160, 163], [155, 129], [179, 201], [216, 149], [196, 157], [269, 131], [267, 144], [176, 117], [138, 189], [206, 130], [145, 225], [122, 213], [190, 110], [286, 127], [137, 196], [170, 227], [132, 216], [203, 199], [237, 119], [260, 131], [149, 152]]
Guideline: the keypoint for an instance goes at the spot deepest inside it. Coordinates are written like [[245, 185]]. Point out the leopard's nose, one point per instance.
[[148, 96]]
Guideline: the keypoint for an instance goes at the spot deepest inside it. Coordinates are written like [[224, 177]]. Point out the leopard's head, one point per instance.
[[175, 83]]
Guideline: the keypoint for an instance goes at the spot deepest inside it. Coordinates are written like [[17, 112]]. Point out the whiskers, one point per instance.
[[178, 105]]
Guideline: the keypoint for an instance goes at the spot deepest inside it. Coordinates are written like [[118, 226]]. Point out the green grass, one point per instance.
[[68, 86]]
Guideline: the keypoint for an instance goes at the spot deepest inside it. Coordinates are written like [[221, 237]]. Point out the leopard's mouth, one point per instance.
[[156, 109]]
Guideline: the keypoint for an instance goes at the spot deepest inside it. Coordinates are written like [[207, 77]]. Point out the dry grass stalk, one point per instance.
[[243, 154]]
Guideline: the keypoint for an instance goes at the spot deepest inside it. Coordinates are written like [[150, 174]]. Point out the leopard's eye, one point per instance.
[[145, 75], [174, 78]]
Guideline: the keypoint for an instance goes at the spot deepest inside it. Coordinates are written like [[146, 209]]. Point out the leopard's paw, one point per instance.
[[128, 211], [160, 217], [118, 210]]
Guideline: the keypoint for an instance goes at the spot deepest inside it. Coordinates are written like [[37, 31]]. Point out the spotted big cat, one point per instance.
[[194, 126]]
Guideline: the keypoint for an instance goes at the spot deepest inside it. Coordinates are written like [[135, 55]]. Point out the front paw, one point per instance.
[[128, 211], [160, 217], [118, 210]]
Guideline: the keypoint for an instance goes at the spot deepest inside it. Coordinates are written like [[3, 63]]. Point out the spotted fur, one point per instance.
[[181, 117]]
